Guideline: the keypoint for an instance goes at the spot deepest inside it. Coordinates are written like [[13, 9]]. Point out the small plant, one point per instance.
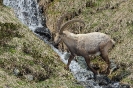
[[119, 75], [8, 31], [42, 62]]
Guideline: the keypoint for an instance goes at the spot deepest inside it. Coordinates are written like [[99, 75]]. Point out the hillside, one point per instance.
[[113, 17], [25, 60]]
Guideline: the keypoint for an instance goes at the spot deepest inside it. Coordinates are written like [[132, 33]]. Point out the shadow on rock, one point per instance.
[[102, 81], [43, 32], [105, 82]]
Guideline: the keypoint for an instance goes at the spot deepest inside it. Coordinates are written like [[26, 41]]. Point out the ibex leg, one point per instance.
[[69, 61], [104, 54], [87, 59]]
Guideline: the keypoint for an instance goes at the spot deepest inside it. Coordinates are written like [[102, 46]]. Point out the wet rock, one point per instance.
[[102, 80], [112, 85], [41, 9], [43, 32], [124, 86], [113, 67], [38, 1], [89, 84], [43, 21], [83, 74], [25, 14]]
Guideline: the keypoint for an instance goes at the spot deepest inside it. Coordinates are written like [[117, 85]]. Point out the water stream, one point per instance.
[[28, 13]]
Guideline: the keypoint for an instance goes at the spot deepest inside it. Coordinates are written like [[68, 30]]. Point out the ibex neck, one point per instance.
[[69, 38], [69, 34]]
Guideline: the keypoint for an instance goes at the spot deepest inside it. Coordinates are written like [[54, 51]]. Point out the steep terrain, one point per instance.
[[25, 60], [113, 17]]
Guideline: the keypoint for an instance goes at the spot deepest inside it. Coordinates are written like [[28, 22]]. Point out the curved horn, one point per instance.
[[70, 22], [58, 25]]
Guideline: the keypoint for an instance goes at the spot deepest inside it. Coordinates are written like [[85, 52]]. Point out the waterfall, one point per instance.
[[28, 13]]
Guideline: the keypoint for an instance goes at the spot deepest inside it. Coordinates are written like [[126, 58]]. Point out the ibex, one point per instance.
[[94, 43]]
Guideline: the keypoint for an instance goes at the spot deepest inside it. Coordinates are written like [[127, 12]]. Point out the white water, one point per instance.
[[28, 13], [75, 68]]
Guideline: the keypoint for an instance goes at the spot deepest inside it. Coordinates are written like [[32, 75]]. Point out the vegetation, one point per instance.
[[108, 16], [25, 60], [22, 54]]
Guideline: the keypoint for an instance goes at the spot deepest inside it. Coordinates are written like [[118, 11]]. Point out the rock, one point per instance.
[[43, 21], [113, 67], [124, 86], [16, 71], [29, 77], [112, 85], [102, 80], [89, 84], [43, 32], [41, 9]]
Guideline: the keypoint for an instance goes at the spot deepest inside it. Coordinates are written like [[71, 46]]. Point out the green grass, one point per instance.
[[107, 16], [22, 50]]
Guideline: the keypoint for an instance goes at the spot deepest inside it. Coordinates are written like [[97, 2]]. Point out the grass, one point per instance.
[[22, 50], [108, 16]]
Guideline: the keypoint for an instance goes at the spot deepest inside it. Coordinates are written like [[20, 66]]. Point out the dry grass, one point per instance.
[[20, 49], [113, 17]]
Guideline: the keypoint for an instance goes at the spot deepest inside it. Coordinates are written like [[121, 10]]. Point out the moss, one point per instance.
[[21, 49], [40, 67], [128, 80], [40, 72], [119, 74], [43, 63], [130, 30], [7, 48], [8, 31], [98, 64]]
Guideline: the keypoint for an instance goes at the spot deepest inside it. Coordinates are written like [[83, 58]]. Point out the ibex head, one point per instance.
[[57, 39], [60, 34]]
